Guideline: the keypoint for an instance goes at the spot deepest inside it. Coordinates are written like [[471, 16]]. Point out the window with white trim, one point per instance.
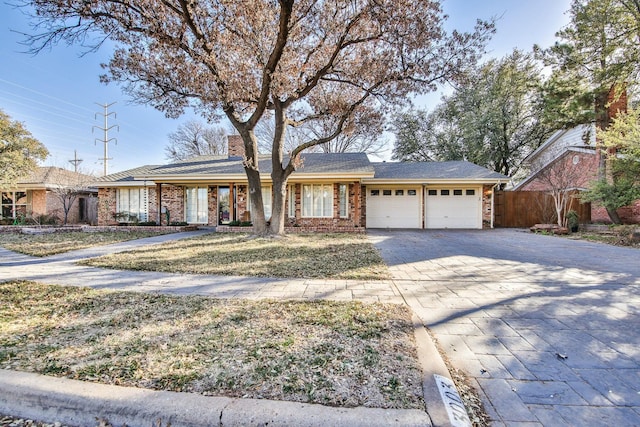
[[14, 203], [343, 200], [132, 204], [266, 202], [317, 200], [196, 205], [292, 201]]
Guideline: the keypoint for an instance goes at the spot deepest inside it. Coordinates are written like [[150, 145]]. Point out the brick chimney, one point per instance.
[[616, 101], [235, 146]]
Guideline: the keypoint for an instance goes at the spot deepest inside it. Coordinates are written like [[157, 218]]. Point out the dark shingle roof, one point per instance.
[[312, 163], [434, 170], [127, 175]]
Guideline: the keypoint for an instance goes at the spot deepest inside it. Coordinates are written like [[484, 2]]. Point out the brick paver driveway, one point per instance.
[[546, 327]]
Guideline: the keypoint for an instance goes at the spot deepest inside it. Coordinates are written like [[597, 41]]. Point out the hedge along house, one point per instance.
[[328, 192]]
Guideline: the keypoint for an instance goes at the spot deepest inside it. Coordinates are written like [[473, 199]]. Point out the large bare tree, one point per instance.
[[301, 60], [194, 138]]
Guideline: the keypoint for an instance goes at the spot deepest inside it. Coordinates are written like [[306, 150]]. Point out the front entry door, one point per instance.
[[224, 210]]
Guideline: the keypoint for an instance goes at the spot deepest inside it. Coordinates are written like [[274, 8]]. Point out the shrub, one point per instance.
[[148, 223]]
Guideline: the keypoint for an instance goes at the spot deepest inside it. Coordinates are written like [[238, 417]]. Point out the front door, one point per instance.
[[224, 207]]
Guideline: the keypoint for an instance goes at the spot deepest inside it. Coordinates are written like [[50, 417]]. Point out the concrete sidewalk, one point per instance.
[[78, 403]]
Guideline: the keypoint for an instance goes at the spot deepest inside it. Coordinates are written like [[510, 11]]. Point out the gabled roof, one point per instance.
[[565, 138], [435, 171], [53, 177]]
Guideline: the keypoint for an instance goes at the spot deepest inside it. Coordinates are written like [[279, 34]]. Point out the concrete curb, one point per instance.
[[81, 403], [432, 364]]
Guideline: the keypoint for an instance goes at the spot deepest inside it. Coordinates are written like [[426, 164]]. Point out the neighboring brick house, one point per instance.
[[569, 158], [39, 194], [330, 191]]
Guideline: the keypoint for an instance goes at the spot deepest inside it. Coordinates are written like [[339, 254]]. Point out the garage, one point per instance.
[[453, 207], [394, 207]]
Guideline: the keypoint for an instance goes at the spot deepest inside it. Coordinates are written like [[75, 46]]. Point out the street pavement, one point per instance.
[[547, 328]]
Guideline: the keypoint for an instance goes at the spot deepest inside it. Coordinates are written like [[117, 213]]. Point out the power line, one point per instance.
[[105, 129], [76, 161]]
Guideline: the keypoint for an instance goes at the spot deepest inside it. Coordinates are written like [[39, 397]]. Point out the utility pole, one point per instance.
[[76, 161], [105, 129]]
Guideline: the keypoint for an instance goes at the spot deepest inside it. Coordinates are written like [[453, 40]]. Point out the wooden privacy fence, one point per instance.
[[523, 209]]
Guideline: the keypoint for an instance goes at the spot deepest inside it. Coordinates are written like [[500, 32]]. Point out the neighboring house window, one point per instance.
[[292, 201], [131, 205], [14, 203], [266, 202], [343, 207], [317, 200], [196, 205]]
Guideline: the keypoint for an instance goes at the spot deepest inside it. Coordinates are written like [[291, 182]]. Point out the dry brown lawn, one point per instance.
[[330, 256], [42, 245], [333, 353]]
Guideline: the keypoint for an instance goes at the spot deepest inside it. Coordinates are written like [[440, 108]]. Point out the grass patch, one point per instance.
[[333, 256], [42, 245], [333, 353]]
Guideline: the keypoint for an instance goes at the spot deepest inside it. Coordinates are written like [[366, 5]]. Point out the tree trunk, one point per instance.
[[613, 215], [279, 175], [278, 203], [257, 206], [250, 162]]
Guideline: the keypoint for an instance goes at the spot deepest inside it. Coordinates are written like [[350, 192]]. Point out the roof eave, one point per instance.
[[429, 181]]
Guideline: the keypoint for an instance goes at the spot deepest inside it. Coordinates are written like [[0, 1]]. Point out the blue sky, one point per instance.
[[56, 93]]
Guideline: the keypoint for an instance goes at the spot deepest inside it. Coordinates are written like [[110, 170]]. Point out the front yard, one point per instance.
[[41, 245], [331, 256], [333, 353]]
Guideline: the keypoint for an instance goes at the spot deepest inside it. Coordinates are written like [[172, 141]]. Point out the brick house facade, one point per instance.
[[330, 191], [40, 194]]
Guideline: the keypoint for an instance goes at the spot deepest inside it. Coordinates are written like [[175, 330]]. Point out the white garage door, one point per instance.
[[393, 207], [451, 207]]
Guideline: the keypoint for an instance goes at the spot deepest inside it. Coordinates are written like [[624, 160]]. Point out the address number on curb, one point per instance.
[[452, 402]]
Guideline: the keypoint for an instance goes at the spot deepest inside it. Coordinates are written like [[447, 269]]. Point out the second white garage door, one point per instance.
[[394, 207], [451, 207]]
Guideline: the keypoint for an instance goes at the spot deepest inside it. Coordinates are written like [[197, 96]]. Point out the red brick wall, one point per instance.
[[581, 174], [236, 146], [486, 206], [628, 214], [38, 202], [335, 220], [106, 206], [173, 200]]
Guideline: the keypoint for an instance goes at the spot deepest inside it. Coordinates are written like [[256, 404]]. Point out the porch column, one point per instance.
[[357, 191], [232, 201], [159, 203]]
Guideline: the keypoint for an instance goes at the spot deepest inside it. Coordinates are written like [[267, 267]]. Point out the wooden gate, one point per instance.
[[523, 209]]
